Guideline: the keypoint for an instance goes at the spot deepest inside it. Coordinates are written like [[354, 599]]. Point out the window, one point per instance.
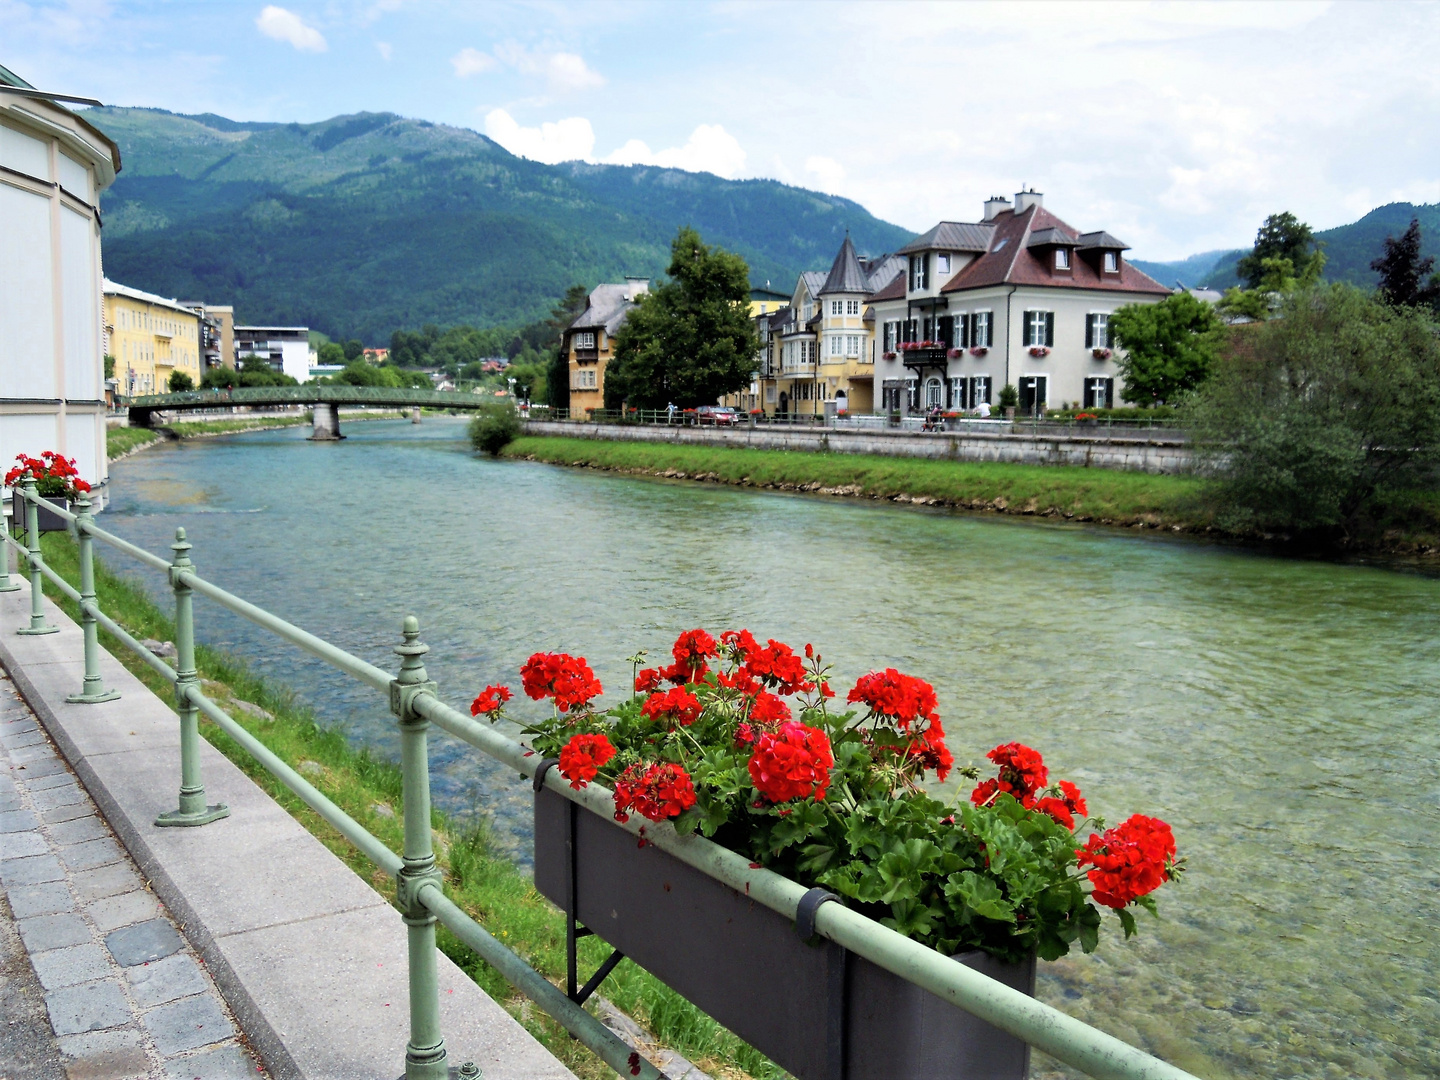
[[1099, 392], [836, 307], [959, 398], [942, 264], [837, 343], [932, 394], [1032, 394], [1097, 331], [1112, 262], [585, 339], [852, 307], [979, 390], [1040, 328], [980, 324], [584, 379], [852, 345], [892, 335], [918, 267], [1062, 258]]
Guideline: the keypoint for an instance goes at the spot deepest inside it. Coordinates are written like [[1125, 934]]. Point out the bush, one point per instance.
[[494, 428], [1315, 421], [180, 382], [1009, 397], [220, 378]]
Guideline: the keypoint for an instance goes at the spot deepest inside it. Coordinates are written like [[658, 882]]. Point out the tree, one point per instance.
[[330, 353], [1406, 280], [690, 340], [1283, 236], [1314, 421], [109, 366], [180, 382], [494, 427], [1169, 347], [353, 349]]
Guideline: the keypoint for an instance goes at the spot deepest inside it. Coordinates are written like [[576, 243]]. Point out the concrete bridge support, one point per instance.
[[326, 423], [415, 415]]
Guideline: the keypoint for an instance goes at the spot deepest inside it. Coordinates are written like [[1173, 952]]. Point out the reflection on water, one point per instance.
[[1280, 715]]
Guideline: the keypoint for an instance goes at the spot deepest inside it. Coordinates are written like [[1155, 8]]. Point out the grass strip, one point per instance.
[[120, 441], [1108, 496], [489, 887]]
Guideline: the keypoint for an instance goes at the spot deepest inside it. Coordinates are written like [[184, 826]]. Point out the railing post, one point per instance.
[[93, 689], [425, 1054], [7, 584], [37, 595], [193, 810]]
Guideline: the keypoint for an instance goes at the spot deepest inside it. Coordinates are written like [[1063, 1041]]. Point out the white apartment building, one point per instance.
[[287, 348]]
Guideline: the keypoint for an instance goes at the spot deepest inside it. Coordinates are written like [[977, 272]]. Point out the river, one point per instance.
[[1280, 714]]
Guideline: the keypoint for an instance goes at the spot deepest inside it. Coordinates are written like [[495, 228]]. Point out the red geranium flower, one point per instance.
[[792, 763], [930, 750], [691, 650], [647, 679], [741, 643], [677, 706], [903, 698], [768, 709], [582, 758], [1131, 860], [490, 699], [1065, 806], [568, 679], [1022, 774], [657, 791], [778, 667]]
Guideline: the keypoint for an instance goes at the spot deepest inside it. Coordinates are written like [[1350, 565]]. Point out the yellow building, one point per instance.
[[150, 338], [590, 340], [767, 301]]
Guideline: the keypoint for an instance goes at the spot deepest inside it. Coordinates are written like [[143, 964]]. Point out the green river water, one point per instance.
[[1280, 714]]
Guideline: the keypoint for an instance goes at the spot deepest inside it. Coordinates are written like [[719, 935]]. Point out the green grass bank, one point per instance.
[[1107, 496], [489, 887]]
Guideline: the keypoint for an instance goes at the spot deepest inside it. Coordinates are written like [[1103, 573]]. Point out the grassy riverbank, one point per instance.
[[489, 888], [1103, 495]]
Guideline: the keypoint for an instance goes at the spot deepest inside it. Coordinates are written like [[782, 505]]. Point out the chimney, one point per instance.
[[994, 205], [1028, 198], [634, 286]]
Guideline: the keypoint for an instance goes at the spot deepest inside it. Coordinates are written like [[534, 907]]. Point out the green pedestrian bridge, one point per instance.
[[325, 400]]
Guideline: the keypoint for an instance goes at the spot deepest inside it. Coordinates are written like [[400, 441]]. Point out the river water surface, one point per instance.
[[1280, 714]]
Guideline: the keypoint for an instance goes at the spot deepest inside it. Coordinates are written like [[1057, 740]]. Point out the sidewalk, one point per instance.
[[99, 981]]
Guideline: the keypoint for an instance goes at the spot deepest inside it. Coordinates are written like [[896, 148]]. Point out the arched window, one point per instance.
[[933, 394]]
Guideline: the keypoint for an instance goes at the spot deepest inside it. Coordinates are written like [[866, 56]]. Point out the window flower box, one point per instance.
[[1101, 353], [48, 520], [56, 481], [887, 356], [1039, 350], [979, 350], [955, 354]]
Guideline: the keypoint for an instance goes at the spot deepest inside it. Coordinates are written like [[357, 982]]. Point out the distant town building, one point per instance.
[[151, 337], [767, 300], [217, 333], [589, 340], [377, 356], [53, 166], [287, 348]]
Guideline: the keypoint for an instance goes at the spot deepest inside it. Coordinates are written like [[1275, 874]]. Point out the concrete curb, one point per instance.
[[311, 960]]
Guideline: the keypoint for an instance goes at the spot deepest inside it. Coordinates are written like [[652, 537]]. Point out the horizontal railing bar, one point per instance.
[[124, 545], [591, 1033], [124, 635], [60, 583], [348, 827], [378, 678], [1056, 1033]]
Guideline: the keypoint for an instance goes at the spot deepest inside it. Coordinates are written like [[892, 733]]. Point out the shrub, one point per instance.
[[494, 428], [180, 382], [1009, 397]]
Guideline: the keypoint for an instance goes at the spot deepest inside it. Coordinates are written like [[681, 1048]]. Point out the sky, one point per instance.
[[1176, 126]]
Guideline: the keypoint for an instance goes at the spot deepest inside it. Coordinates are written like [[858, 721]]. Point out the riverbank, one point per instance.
[[490, 888]]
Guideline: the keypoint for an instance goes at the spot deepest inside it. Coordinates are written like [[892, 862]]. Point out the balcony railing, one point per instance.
[[587, 355]]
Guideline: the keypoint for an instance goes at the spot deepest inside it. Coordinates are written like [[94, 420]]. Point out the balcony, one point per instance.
[[797, 367], [587, 356], [922, 354]]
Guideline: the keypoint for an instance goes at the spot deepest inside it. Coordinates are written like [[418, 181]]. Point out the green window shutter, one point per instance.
[[1050, 329], [1089, 333]]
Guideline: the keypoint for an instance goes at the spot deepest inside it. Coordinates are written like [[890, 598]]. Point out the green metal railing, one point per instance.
[[420, 892]]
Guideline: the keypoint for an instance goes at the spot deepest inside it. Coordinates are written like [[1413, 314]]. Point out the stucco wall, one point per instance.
[[1140, 453]]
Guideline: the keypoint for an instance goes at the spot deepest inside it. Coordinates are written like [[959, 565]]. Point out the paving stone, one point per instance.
[[92, 885], [91, 854], [50, 898], [97, 1042], [116, 911], [221, 1063], [187, 1024], [72, 966], [30, 871], [129, 1063], [21, 845], [23, 755], [56, 814], [18, 821], [16, 737], [37, 771], [165, 980], [52, 932], [143, 943], [88, 1007], [78, 830], [64, 795]]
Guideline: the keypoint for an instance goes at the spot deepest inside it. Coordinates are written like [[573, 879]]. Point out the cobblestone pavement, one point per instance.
[[96, 982]]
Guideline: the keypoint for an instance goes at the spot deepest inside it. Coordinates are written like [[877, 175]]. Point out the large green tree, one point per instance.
[[1169, 347], [1407, 280], [690, 340], [1282, 236], [1321, 419]]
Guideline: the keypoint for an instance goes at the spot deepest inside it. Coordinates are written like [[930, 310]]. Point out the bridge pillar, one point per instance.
[[326, 423], [415, 415]]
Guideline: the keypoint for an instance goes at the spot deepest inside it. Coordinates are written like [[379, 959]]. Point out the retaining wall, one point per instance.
[[1160, 452]]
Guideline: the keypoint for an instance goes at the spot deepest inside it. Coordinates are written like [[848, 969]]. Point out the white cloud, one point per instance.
[[710, 149], [828, 172], [276, 22], [564, 140], [469, 62], [563, 72], [383, 48]]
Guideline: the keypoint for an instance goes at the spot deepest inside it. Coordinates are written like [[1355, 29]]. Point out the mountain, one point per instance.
[[364, 224], [1349, 249]]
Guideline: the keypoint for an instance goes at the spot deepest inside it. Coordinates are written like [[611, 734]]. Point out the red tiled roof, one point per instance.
[[894, 291], [1010, 262]]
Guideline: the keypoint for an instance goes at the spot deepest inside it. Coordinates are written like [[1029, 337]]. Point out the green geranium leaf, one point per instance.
[[981, 895]]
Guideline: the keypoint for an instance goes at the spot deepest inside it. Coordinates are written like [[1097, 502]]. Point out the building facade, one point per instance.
[[150, 338], [217, 333], [286, 348], [589, 340], [1020, 299], [53, 166]]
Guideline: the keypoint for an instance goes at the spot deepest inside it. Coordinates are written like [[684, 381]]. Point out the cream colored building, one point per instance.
[[53, 166], [590, 341], [150, 338]]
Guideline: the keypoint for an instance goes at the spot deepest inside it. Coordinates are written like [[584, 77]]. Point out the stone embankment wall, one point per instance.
[[1153, 452]]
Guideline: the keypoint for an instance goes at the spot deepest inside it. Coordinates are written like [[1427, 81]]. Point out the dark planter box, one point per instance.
[[49, 521], [817, 1010]]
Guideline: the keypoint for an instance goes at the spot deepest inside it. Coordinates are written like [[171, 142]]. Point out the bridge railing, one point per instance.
[[420, 893], [309, 394]]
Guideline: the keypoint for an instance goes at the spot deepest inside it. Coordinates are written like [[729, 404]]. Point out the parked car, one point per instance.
[[719, 415]]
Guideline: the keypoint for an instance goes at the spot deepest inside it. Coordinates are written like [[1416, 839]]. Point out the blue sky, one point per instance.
[[1176, 126]]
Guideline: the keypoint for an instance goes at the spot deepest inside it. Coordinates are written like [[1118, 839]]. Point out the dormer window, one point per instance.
[[1062, 258], [944, 264], [585, 339], [1112, 262], [918, 274]]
